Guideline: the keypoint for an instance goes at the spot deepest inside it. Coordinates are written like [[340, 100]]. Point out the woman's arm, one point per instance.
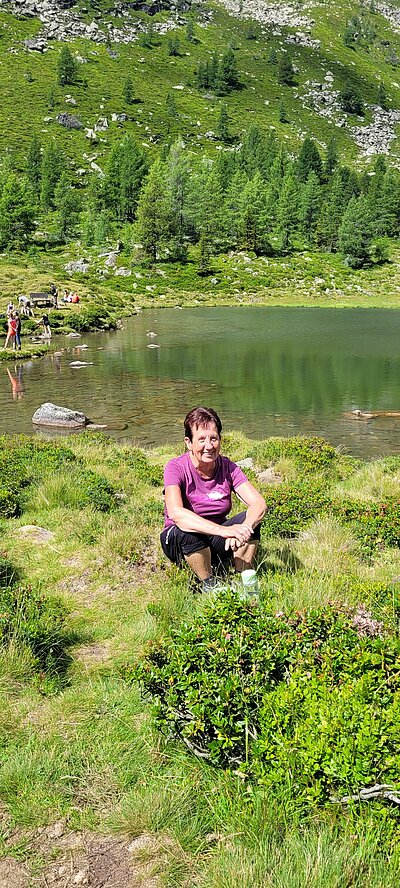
[[256, 506], [187, 520]]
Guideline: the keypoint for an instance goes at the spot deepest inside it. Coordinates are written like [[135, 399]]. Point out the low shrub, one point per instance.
[[96, 491], [22, 460], [306, 702], [8, 573], [25, 461], [144, 471], [291, 505], [92, 317], [9, 506], [310, 455], [375, 525], [38, 622]]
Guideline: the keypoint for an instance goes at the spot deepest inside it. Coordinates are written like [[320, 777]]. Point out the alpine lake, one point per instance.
[[266, 370]]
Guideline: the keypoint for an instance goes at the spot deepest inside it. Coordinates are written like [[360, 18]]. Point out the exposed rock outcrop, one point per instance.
[[61, 22], [50, 415]]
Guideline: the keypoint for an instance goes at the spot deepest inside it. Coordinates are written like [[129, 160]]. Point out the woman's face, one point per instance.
[[205, 445]]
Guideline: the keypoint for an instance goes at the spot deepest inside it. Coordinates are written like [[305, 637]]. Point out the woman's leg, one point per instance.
[[200, 563], [243, 558], [178, 545]]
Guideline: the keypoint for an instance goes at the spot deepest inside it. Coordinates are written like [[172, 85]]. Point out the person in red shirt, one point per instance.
[[11, 330]]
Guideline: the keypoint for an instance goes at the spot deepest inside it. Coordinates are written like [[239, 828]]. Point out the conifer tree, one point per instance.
[[152, 226], [201, 76], [34, 165], [205, 255], [253, 216], [331, 158], [133, 170], [17, 211], [350, 98], [51, 98], [190, 30], [308, 161], [285, 70], [279, 168], [112, 197], [382, 98], [355, 232], [226, 166], [53, 164], [66, 67], [212, 71], [310, 206], [206, 204], [253, 154], [342, 187], [222, 128], [128, 93], [67, 204], [283, 115], [173, 45], [177, 179], [232, 216], [226, 75], [288, 209], [171, 110]]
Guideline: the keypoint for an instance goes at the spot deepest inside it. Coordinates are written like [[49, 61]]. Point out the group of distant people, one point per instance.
[[70, 296], [14, 322], [25, 309]]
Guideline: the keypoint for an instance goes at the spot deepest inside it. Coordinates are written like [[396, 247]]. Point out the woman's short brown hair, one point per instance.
[[200, 416]]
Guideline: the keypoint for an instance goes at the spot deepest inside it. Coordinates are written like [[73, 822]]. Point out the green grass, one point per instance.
[[89, 753], [98, 90], [302, 279]]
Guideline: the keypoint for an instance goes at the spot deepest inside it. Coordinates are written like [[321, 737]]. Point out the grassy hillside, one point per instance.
[[84, 773], [28, 78]]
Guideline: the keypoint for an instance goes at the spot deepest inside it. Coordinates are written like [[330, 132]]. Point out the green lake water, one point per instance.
[[267, 371]]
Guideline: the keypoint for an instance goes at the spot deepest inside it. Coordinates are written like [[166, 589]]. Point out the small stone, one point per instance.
[[57, 829], [35, 533], [246, 463], [80, 878]]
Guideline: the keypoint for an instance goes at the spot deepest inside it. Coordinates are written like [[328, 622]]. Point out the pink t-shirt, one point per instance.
[[209, 497]]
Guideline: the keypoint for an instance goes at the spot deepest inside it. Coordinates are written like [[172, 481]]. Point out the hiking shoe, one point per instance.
[[213, 584]]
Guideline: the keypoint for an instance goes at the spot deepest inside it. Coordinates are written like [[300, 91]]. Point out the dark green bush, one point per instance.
[[144, 471], [23, 460], [96, 491], [310, 455], [306, 702], [375, 525], [92, 317], [9, 506], [39, 622], [291, 505], [8, 573]]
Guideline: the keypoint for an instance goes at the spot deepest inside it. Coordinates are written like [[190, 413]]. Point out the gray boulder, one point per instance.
[[59, 417], [69, 121]]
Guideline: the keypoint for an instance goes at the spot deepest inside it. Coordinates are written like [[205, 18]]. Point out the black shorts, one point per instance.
[[177, 543]]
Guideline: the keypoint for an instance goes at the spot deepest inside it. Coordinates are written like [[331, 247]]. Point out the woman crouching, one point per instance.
[[198, 498]]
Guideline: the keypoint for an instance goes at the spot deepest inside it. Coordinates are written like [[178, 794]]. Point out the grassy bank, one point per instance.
[[305, 278], [82, 759]]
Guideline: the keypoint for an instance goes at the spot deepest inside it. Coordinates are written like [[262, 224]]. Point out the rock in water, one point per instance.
[[59, 417]]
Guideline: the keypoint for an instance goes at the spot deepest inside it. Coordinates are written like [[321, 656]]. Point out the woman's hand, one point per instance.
[[239, 535]]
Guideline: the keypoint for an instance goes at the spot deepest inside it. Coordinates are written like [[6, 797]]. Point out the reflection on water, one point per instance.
[[268, 371], [15, 377]]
